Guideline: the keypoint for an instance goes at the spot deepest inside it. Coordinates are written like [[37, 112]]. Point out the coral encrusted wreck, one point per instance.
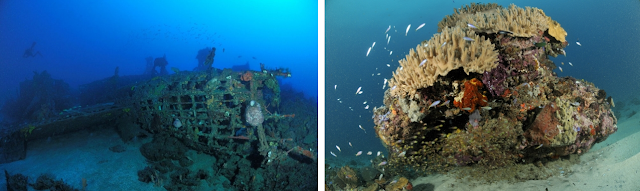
[[482, 92]]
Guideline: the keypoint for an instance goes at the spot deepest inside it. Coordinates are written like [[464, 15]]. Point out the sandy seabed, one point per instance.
[[610, 165]]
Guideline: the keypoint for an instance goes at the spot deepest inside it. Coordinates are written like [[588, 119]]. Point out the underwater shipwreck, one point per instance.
[[481, 96], [231, 115]]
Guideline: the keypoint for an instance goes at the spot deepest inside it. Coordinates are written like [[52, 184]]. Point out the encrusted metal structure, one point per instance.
[[205, 109]]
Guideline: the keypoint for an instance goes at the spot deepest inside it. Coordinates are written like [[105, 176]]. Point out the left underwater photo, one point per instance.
[[170, 95]]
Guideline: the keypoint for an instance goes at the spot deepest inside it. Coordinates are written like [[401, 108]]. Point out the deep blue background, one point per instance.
[[83, 41]]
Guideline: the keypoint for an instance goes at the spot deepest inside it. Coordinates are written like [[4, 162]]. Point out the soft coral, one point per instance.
[[472, 96]]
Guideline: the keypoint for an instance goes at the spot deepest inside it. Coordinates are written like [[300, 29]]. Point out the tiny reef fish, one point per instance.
[[384, 84], [388, 29], [365, 131], [358, 89], [369, 153], [382, 163], [333, 154], [366, 107], [393, 88], [359, 153], [486, 108], [471, 26], [365, 102], [434, 104], [419, 27], [446, 102], [560, 69], [368, 51], [388, 39], [468, 39], [570, 64], [388, 65], [505, 32], [423, 61], [405, 34], [378, 153], [578, 43], [390, 52], [350, 144], [402, 154], [562, 63], [444, 43], [466, 108], [338, 148], [374, 44]]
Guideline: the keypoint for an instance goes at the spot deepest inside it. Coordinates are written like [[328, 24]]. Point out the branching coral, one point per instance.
[[472, 97]]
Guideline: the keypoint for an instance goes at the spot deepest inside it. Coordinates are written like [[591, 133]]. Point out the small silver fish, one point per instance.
[[402, 154], [539, 146], [366, 107], [365, 102], [434, 103], [471, 26], [390, 52], [505, 32], [466, 108], [365, 131], [419, 27], [393, 88], [570, 64], [374, 44], [486, 108], [378, 153], [443, 44], [360, 92], [388, 65], [382, 163], [369, 153], [333, 154], [578, 43], [405, 34], [358, 89], [350, 144], [563, 52], [468, 39], [560, 69], [575, 103], [423, 61], [359, 153], [388, 29], [384, 84], [388, 39], [368, 51], [335, 87], [446, 103]]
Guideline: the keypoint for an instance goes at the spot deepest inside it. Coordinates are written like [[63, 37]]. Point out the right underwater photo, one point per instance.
[[461, 95]]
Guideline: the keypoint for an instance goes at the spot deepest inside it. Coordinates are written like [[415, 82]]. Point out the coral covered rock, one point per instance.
[[520, 112]]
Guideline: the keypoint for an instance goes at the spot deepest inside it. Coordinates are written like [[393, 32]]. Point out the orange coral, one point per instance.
[[472, 96], [247, 76]]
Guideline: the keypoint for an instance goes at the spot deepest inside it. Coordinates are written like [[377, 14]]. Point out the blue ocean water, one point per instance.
[[607, 30], [106, 43], [83, 41]]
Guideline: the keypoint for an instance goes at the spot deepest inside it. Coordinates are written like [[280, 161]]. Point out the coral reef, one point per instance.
[[518, 111], [444, 52]]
